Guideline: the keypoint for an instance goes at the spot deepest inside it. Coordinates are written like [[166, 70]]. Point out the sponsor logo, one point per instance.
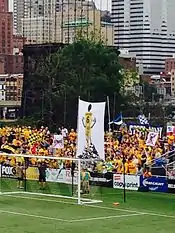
[[171, 186], [8, 171], [152, 183], [117, 177], [158, 184], [98, 179], [171, 177], [131, 182], [127, 185]]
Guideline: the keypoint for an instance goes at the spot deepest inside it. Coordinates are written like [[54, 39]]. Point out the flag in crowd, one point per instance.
[[118, 120], [152, 138], [58, 141], [143, 120]]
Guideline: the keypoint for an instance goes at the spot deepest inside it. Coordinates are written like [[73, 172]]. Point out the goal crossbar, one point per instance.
[[44, 157]]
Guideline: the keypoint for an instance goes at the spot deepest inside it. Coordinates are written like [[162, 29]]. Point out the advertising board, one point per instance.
[[131, 182], [154, 183]]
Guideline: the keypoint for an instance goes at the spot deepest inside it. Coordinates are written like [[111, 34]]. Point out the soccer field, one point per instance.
[[143, 212]]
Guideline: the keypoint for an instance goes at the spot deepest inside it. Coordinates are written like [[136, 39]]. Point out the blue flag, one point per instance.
[[118, 120]]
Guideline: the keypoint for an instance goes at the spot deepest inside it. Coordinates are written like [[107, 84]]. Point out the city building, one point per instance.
[[18, 43], [146, 29], [127, 61], [62, 26], [10, 95], [169, 65], [173, 82], [87, 27], [2, 66], [6, 33], [12, 64], [4, 5], [2, 87], [18, 13], [14, 84], [32, 9]]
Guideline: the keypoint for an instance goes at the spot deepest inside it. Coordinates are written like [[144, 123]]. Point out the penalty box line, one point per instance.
[[65, 220], [94, 206], [104, 218], [32, 215]]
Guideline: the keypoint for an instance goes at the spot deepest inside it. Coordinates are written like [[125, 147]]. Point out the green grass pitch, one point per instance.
[[142, 212]]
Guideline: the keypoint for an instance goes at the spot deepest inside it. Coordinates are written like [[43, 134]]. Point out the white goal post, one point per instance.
[[78, 168]]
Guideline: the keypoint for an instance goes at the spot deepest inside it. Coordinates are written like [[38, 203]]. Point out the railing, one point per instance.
[[164, 156]]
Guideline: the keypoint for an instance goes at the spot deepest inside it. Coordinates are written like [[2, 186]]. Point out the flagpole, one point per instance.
[[114, 102], [109, 116], [77, 124], [109, 119]]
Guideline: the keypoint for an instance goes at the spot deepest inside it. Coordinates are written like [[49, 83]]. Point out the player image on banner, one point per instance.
[[88, 122], [91, 130]]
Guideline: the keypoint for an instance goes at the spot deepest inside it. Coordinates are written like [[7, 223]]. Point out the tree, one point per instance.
[[86, 68]]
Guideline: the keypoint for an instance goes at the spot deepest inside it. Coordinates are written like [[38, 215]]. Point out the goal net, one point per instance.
[[65, 178]]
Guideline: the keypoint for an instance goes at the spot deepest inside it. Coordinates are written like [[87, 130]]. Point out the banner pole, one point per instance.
[[109, 116], [109, 119], [77, 125], [124, 180]]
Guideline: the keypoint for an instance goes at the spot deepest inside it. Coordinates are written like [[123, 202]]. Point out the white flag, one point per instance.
[[152, 138], [58, 141], [91, 129]]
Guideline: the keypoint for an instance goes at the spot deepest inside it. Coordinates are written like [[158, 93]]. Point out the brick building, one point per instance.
[[3, 5], [13, 64], [6, 33], [2, 66], [128, 63], [169, 65], [18, 43]]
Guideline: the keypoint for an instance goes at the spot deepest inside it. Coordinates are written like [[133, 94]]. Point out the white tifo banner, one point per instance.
[[61, 176], [131, 182], [91, 127]]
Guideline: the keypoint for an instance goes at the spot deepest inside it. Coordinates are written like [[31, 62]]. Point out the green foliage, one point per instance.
[[131, 78], [149, 92], [86, 68]]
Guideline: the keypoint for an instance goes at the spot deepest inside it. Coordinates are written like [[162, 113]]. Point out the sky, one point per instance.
[[106, 5]]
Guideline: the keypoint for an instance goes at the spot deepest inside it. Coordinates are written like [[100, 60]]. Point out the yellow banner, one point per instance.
[[32, 173]]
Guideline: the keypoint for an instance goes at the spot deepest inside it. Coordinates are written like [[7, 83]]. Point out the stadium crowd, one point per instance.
[[119, 146]]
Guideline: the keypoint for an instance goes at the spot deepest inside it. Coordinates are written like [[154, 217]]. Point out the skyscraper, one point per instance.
[[32, 9], [3, 5], [146, 29], [6, 29], [48, 21], [18, 14]]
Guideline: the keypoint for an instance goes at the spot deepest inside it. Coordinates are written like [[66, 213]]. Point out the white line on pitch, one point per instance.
[[132, 211], [32, 215], [106, 217], [94, 206]]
